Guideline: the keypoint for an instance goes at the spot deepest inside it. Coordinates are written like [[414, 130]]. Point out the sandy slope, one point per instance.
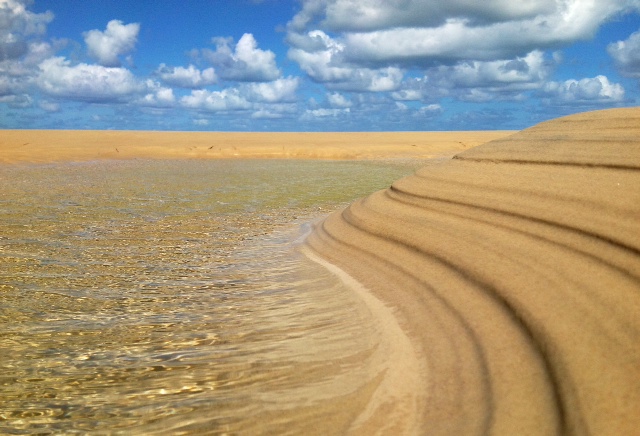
[[41, 146], [515, 270]]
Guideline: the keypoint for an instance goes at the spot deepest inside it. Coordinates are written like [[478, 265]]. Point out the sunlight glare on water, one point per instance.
[[146, 297]]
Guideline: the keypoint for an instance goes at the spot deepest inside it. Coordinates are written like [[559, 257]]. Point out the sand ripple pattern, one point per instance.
[[515, 270]]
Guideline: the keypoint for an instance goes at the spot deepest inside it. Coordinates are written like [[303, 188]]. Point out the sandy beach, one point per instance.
[[509, 272], [42, 146], [514, 268]]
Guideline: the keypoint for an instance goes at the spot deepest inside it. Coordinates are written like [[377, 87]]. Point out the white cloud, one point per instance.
[[20, 50], [245, 63], [525, 72], [483, 81], [10, 85], [585, 91], [627, 55], [84, 82], [18, 75], [36, 53], [479, 81], [17, 101], [430, 110], [16, 25], [266, 114], [270, 97], [272, 92], [216, 101], [311, 114], [412, 91], [367, 15], [165, 95], [116, 40], [320, 56], [315, 53], [189, 77], [157, 96], [426, 32], [338, 100], [384, 79]]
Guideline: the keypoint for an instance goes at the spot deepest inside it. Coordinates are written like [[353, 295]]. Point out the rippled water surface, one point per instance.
[[168, 297]]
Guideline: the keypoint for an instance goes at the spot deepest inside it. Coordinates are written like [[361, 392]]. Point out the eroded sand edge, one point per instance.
[[515, 268]]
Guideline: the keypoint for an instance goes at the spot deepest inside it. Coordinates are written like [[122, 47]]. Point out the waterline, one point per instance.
[[151, 297]]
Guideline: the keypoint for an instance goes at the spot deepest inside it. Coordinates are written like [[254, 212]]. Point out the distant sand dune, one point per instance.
[[43, 146], [515, 270]]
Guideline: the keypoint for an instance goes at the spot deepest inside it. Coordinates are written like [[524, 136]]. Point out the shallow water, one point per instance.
[[168, 297]]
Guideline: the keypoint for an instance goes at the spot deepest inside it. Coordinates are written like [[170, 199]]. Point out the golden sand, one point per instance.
[[41, 146], [514, 268]]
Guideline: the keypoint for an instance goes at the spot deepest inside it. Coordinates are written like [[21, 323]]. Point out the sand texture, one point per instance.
[[43, 146], [514, 268]]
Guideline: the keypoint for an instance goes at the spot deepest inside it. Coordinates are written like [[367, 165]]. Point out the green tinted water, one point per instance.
[[168, 297]]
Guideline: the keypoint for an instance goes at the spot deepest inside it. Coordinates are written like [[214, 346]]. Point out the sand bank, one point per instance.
[[515, 270], [42, 146]]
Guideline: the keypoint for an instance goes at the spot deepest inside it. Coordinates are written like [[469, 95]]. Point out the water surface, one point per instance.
[[142, 297]]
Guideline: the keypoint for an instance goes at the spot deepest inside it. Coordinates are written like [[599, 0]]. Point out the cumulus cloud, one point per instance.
[[430, 110], [245, 62], [338, 100], [10, 84], [321, 57], [315, 53], [17, 25], [86, 82], [17, 101], [264, 100], [413, 89], [117, 39], [585, 91], [464, 49], [189, 77], [17, 75], [479, 81], [20, 50], [523, 72], [368, 15], [216, 101], [312, 114], [265, 114], [483, 81], [425, 32], [627, 55], [156, 96], [273, 92]]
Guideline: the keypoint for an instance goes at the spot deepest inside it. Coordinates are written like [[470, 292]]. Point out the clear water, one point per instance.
[[168, 297]]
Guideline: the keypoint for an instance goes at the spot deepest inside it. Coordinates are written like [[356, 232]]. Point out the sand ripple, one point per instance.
[[515, 270]]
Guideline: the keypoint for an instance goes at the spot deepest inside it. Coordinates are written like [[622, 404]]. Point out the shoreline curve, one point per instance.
[[515, 268]]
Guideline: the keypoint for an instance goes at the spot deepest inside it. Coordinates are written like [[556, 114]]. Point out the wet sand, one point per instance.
[[42, 146], [514, 269]]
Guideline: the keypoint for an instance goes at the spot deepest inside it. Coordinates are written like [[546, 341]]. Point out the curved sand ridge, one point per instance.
[[515, 270]]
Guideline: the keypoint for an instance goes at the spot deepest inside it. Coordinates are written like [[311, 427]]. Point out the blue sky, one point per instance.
[[313, 65]]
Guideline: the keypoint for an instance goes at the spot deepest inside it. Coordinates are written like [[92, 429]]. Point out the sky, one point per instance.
[[313, 65]]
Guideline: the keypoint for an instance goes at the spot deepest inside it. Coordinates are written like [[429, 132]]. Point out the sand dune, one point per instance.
[[515, 270], [42, 146]]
